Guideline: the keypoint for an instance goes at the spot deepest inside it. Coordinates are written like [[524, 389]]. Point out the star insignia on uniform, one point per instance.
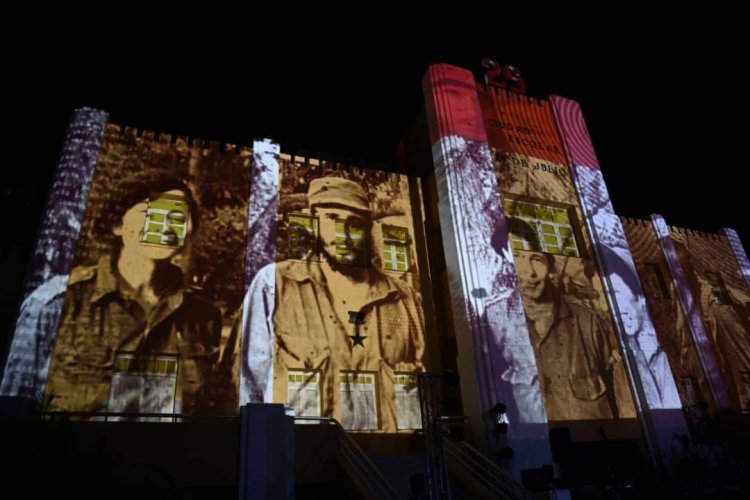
[[358, 318], [357, 339]]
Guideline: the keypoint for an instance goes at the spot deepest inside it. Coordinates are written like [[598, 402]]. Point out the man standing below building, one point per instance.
[[330, 324]]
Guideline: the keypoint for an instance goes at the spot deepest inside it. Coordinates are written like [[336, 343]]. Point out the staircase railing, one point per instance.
[[490, 476], [361, 469], [430, 397], [463, 460]]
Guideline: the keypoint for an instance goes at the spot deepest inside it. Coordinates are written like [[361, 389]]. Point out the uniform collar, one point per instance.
[[382, 287], [110, 284], [106, 280]]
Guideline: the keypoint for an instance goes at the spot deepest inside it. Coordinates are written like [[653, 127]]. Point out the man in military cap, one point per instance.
[[133, 337], [570, 357], [332, 316]]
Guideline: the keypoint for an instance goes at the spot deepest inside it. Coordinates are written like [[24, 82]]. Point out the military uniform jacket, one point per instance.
[[575, 365], [290, 324], [102, 318]]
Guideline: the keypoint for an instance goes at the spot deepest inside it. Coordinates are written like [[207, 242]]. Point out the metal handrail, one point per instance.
[[360, 464], [438, 481], [451, 419], [487, 472], [491, 476]]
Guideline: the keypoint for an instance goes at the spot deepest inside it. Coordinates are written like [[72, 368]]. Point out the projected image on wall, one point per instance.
[[146, 383], [407, 402], [146, 325], [724, 306], [341, 298], [581, 374], [26, 367], [166, 220], [359, 407], [303, 392], [580, 368], [523, 175], [574, 347]]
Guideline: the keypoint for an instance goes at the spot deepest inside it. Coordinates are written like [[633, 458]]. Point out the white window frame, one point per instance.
[[559, 248], [392, 248]]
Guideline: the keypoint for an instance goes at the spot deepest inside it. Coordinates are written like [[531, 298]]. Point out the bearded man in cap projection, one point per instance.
[[330, 333]]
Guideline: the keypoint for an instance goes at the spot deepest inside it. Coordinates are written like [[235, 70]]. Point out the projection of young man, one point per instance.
[[132, 337], [328, 331], [581, 372]]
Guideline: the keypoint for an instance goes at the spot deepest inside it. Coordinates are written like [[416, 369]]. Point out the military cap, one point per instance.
[[338, 191]]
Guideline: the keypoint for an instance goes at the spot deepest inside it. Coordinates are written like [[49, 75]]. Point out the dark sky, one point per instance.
[[665, 109]]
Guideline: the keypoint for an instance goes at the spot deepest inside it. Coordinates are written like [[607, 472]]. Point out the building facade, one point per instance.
[[193, 277]]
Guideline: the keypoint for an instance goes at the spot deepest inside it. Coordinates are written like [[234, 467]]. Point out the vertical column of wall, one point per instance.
[[495, 357], [36, 327], [260, 275], [657, 399], [739, 253], [692, 312], [262, 208]]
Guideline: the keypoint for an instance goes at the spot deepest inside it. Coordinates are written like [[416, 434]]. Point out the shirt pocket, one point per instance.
[[303, 351], [395, 346], [587, 387]]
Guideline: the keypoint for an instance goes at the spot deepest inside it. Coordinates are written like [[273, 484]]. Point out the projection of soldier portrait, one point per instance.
[[146, 322], [335, 326], [581, 373]]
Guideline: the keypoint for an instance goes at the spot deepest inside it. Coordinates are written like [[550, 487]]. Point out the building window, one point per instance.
[[540, 228], [303, 392], [718, 292], [408, 413], [166, 220], [303, 236], [359, 408], [143, 384], [395, 248], [655, 281], [351, 244]]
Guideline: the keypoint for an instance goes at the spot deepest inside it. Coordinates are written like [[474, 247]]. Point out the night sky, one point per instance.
[[665, 111]]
